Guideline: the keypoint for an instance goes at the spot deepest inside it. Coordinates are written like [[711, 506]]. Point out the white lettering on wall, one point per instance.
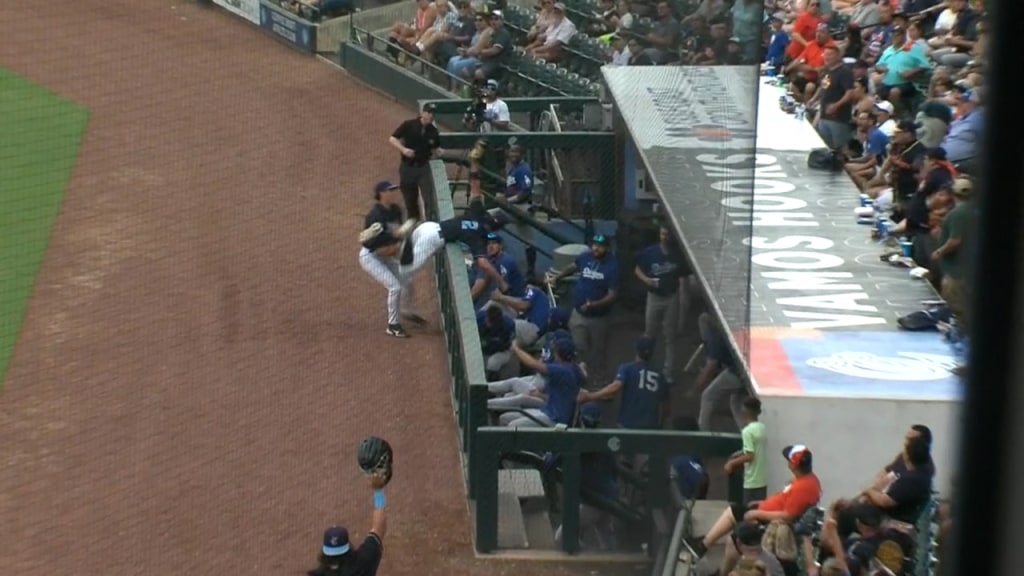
[[795, 263]]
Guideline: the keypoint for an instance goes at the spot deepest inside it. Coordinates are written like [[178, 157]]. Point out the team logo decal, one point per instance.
[[904, 366]]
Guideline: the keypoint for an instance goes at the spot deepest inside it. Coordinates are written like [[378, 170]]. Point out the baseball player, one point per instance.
[[470, 229], [507, 268], [562, 382], [530, 313], [497, 332], [643, 390], [524, 391], [382, 241], [339, 558]]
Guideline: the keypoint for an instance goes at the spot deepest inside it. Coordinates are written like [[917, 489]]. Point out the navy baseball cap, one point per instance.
[[383, 186], [590, 414], [645, 345], [492, 237], [565, 348], [558, 318], [600, 240], [430, 107], [336, 541]]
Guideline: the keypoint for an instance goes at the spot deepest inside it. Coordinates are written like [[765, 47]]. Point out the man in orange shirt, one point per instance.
[[803, 29], [788, 505], [803, 71]]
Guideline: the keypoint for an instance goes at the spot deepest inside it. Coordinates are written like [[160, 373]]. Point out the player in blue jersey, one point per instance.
[[660, 268], [524, 391], [507, 268], [518, 179], [643, 390], [562, 382], [497, 332], [531, 313], [594, 294]]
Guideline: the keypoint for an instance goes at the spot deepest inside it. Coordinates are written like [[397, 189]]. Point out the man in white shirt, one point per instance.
[[886, 124], [559, 33], [496, 114], [620, 51]]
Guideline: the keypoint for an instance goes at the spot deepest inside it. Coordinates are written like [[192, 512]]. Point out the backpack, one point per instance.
[[824, 159]]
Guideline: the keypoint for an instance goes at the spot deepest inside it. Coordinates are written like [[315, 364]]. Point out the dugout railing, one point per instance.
[[483, 447]]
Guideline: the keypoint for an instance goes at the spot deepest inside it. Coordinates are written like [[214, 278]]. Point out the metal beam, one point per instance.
[[574, 140], [518, 105]]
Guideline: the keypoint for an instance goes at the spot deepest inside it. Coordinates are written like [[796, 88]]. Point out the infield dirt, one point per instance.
[[202, 352]]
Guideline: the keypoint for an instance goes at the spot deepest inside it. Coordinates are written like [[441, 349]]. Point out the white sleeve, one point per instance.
[[502, 113], [566, 31]]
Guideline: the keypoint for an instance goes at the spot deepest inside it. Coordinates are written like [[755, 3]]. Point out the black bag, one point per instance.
[[823, 159], [923, 320]]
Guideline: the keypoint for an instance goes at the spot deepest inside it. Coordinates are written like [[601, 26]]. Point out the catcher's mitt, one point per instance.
[[407, 227], [370, 233], [375, 457]]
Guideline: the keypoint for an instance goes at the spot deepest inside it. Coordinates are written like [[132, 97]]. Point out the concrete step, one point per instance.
[[511, 524], [539, 532], [523, 482], [705, 514]]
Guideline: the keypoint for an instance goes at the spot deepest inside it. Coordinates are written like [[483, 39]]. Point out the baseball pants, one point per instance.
[[426, 241], [516, 393], [526, 333], [590, 334], [661, 319], [498, 361], [385, 271], [517, 420], [725, 386]]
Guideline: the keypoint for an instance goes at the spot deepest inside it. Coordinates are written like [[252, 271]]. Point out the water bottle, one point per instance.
[[883, 228], [801, 112]]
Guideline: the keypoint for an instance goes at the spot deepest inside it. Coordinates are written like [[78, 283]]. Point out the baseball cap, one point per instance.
[[645, 345], [600, 240], [496, 14], [748, 534], [822, 26], [590, 414], [898, 29], [336, 541], [779, 17], [559, 6], [430, 107], [962, 187], [558, 317], [492, 84], [797, 454], [565, 348], [907, 126], [884, 106], [384, 185], [492, 237], [734, 40]]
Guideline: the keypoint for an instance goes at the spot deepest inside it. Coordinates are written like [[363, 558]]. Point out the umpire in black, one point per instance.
[[419, 141]]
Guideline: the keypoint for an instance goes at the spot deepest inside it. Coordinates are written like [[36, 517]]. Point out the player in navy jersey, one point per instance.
[[660, 268], [530, 311], [562, 381], [525, 391], [518, 179], [507, 268], [593, 297], [643, 390]]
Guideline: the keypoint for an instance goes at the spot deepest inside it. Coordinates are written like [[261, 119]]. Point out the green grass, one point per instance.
[[40, 134]]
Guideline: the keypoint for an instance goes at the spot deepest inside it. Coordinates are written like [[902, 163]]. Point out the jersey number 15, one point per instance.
[[649, 380]]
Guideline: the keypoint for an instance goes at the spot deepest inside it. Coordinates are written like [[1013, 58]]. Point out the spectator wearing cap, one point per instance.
[[788, 505], [804, 29], [718, 380], [884, 111], [418, 141], [663, 38], [752, 457], [563, 379], [956, 47], [660, 267], [803, 70], [641, 390], [835, 100], [496, 113], [497, 332], [951, 254], [897, 67], [965, 132], [560, 31], [746, 546], [337, 556], [467, 59], [499, 47], [777, 44], [936, 174], [594, 295], [897, 180]]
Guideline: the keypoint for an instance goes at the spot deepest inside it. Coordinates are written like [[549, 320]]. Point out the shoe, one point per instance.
[[415, 318], [397, 331], [698, 547]]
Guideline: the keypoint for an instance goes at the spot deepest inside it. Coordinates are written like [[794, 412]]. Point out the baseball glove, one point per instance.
[[370, 233], [375, 457], [406, 228]]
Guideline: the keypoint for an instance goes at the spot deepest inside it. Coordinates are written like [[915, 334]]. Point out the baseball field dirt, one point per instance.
[[201, 353]]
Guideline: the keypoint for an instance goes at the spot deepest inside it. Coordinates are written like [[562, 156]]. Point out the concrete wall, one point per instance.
[[852, 438]]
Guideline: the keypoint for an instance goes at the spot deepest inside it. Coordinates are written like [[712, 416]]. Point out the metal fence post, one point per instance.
[[486, 468], [572, 479]]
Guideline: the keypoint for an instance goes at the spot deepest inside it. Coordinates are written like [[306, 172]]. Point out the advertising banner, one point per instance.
[[289, 27], [248, 9]]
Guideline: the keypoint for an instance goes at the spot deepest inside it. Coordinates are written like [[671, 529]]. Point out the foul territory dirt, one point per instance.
[[202, 352]]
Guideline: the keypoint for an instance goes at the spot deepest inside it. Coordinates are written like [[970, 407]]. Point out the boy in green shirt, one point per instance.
[[755, 481]]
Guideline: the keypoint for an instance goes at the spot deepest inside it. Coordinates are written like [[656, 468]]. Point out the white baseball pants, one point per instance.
[[516, 392], [426, 241], [386, 271]]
